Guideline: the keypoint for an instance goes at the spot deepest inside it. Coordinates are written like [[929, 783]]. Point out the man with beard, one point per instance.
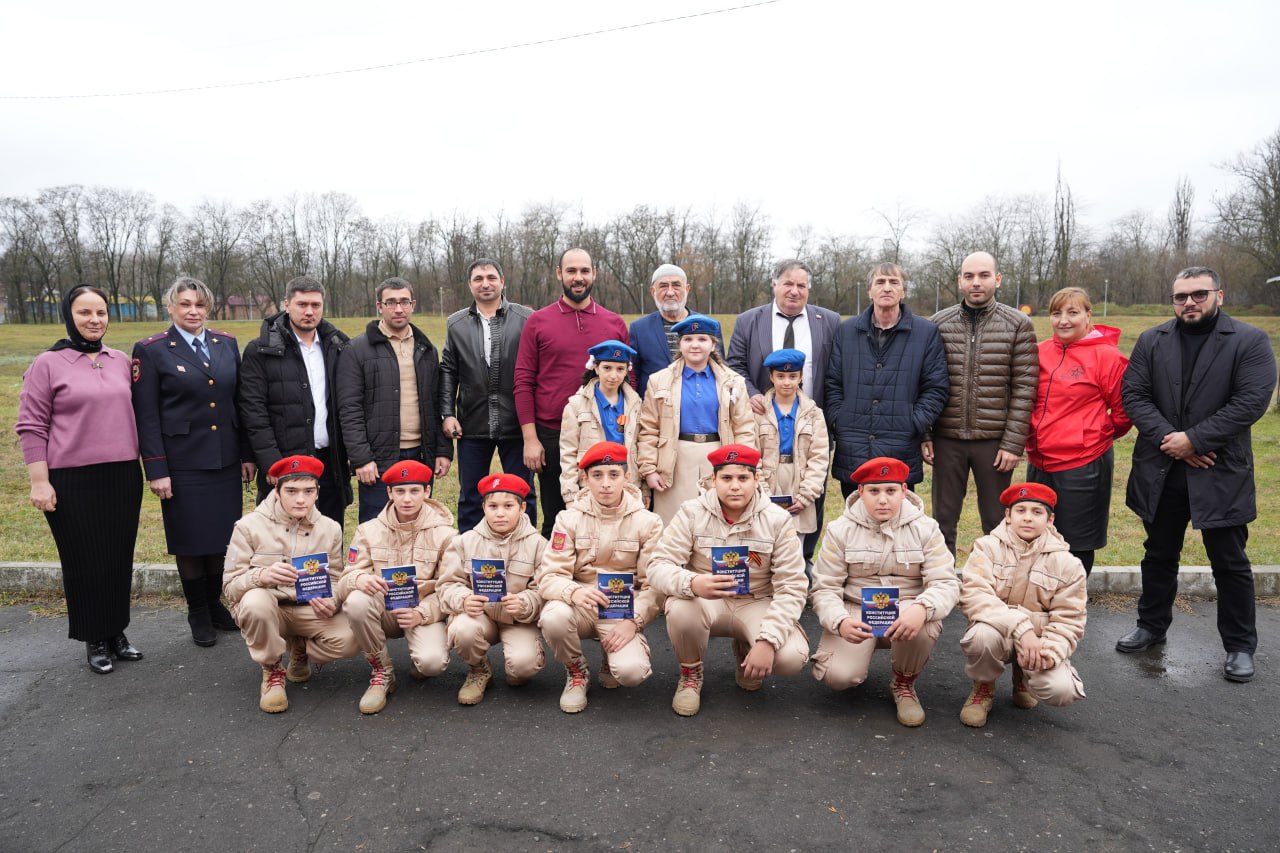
[[652, 337], [1193, 388], [549, 365]]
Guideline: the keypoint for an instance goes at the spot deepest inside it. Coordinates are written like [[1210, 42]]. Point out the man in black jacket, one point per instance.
[[388, 380], [286, 398], [1193, 388], [477, 371]]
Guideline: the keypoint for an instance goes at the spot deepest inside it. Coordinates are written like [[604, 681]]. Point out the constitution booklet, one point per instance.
[[313, 577], [619, 588], [402, 586], [489, 578], [783, 501], [732, 560], [880, 607]]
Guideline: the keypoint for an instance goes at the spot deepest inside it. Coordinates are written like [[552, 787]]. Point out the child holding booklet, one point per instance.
[[884, 579], [1025, 595], [604, 536], [795, 451], [410, 533], [487, 585], [689, 408], [284, 545], [731, 566], [606, 408]]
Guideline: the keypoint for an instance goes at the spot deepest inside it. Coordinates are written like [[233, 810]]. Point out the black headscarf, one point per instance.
[[74, 340]]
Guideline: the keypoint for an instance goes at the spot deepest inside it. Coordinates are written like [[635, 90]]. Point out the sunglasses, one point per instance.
[[1196, 296]]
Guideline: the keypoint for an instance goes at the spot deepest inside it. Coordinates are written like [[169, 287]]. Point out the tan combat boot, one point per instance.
[[382, 681], [299, 666], [272, 698], [903, 687], [976, 707], [606, 676], [688, 698], [478, 678], [1022, 697], [576, 682], [740, 652]]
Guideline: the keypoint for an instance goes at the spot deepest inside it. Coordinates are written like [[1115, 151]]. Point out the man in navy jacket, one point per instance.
[[655, 345]]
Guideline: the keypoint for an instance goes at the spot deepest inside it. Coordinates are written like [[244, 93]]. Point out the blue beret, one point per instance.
[[612, 351], [786, 360], [697, 324]]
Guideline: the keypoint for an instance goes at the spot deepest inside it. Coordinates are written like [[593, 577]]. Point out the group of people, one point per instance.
[[657, 454]]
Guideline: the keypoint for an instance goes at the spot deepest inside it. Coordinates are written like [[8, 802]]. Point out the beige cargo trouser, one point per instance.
[[265, 621], [566, 627], [372, 624], [472, 637], [987, 651], [840, 664], [692, 622]]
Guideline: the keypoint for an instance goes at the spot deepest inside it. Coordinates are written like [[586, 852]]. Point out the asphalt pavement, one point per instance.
[[171, 753]]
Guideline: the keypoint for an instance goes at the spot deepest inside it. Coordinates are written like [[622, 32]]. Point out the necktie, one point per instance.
[[789, 336], [203, 353]]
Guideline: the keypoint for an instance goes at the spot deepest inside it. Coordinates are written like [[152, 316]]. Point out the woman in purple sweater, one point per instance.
[[80, 444]]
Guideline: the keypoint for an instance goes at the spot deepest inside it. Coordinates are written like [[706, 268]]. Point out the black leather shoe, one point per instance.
[[123, 649], [1137, 640], [1239, 667], [201, 627], [99, 656], [221, 617]]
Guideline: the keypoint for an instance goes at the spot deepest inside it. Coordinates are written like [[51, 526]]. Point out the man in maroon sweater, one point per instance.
[[549, 367]]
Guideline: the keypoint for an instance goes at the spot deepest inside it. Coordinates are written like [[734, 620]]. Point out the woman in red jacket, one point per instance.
[[1078, 416]]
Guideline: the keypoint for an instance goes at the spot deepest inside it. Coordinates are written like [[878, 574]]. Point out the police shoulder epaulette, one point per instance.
[[158, 336], [221, 334]]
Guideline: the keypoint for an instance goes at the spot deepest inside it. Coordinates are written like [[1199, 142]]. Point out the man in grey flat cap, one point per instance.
[[651, 335]]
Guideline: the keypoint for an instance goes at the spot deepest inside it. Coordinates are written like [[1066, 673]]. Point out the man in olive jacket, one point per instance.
[[994, 367], [287, 396], [1193, 388], [387, 385]]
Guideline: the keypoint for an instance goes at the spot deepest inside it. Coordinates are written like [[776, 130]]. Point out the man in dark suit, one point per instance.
[[651, 336], [788, 322], [1193, 388]]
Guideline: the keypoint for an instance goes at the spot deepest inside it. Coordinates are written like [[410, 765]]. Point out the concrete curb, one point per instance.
[[162, 579]]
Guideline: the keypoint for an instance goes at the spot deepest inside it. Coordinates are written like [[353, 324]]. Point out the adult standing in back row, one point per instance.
[[387, 382], [549, 367], [994, 369]]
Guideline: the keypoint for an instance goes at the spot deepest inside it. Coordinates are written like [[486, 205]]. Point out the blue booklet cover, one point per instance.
[[402, 586], [732, 560], [619, 588], [313, 577], [880, 607], [489, 578], [783, 501]]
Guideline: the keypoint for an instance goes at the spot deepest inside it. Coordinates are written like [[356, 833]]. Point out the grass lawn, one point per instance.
[[26, 536]]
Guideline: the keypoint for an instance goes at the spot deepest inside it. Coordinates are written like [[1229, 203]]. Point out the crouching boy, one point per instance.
[[605, 529], [412, 530], [487, 585], [884, 546], [731, 566], [261, 581], [1024, 594]]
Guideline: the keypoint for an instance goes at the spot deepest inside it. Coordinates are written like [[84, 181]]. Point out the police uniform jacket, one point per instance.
[[521, 551], [776, 564], [907, 552], [270, 535], [660, 417], [1016, 586], [185, 411], [588, 538], [385, 541]]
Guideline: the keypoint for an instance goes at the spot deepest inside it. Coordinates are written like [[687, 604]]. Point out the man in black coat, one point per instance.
[[476, 400], [287, 400], [388, 380], [1193, 388]]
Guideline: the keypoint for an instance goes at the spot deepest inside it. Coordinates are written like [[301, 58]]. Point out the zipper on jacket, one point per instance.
[[1047, 388]]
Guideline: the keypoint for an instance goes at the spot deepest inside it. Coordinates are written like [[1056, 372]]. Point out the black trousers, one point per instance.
[[1232, 573], [549, 478]]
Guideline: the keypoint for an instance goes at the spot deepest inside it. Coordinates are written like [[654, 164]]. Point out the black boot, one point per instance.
[[99, 656], [198, 616], [219, 614]]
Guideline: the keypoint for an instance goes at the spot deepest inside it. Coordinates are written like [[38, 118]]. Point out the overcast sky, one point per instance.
[[820, 112]]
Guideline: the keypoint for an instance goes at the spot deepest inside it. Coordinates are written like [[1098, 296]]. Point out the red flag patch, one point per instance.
[[557, 542]]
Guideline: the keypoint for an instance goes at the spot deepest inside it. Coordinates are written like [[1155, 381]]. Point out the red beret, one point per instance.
[[734, 454], [407, 471], [882, 469], [1019, 492], [504, 483], [603, 453], [297, 466]]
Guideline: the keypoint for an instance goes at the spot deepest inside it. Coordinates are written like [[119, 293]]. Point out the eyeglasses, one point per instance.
[[1196, 296], [398, 303]]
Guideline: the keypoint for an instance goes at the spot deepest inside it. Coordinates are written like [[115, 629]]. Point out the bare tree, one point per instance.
[[116, 219], [1180, 212], [1249, 216]]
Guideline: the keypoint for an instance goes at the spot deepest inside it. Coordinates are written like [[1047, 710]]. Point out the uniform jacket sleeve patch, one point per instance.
[[557, 542]]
